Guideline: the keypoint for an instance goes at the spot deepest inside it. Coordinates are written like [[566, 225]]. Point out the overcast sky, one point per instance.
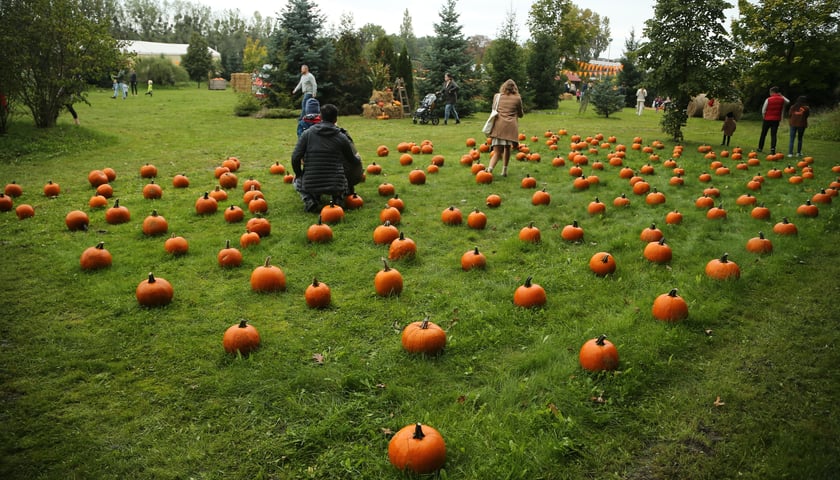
[[477, 17]]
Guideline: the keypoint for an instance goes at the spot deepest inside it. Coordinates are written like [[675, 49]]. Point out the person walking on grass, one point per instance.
[[798, 122], [728, 128], [149, 88], [307, 85], [641, 94], [771, 112], [505, 132], [449, 91]]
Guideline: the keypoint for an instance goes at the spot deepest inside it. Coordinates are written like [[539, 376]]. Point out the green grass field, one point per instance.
[[95, 386]]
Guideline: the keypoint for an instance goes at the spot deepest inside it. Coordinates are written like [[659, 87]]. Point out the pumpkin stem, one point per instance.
[[761, 235], [315, 281], [653, 226], [101, 245], [476, 250], [268, 261], [320, 220], [574, 223], [117, 203], [673, 292], [531, 225], [402, 236], [387, 268], [154, 213], [600, 341], [243, 323], [418, 432], [528, 282], [785, 220], [227, 244], [606, 258], [425, 323], [151, 278], [662, 241], [724, 258], [596, 200], [206, 195]]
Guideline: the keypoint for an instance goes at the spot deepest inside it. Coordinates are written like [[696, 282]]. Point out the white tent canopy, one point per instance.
[[172, 51]]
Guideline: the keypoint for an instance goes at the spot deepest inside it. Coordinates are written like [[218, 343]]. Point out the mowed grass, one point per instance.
[[95, 386]]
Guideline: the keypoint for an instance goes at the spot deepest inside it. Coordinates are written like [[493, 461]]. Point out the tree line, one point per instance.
[[688, 50]]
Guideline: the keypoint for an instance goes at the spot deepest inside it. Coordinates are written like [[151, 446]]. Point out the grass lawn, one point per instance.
[[92, 385]]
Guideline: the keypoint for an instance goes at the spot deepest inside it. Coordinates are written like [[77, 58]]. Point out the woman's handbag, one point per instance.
[[488, 125]]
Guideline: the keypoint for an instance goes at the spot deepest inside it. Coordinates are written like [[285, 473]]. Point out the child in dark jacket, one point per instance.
[[728, 128], [311, 116]]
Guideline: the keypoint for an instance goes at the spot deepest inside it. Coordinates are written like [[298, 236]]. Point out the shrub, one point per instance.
[[824, 125], [161, 70], [278, 113], [246, 105]]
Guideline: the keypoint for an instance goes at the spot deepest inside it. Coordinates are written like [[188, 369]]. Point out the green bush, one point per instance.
[[278, 113], [246, 105], [161, 70]]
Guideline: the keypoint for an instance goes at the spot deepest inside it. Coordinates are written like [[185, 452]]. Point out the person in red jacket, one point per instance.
[[772, 111]]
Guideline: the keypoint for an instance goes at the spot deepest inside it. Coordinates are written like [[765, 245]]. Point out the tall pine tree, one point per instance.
[[543, 89], [198, 62], [448, 53], [405, 71], [351, 68], [503, 58]]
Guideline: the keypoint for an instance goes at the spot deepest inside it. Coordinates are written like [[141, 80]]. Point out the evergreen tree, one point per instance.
[[504, 59], [351, 67], [383, 53], [405, 71], [605, 98], [198, 61], [297, 41], [407, 35], [448, 53], [543, 88]]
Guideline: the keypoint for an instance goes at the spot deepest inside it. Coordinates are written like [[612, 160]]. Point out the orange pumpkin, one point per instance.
[[94, 258], [423, 337], [388, 281], [572, 233], [419, 448], [268, 278], [317, 294], [598, 354], [152, 191], [155, 224], [319, 232], [529, 295], [602, 264], [670, 307], [473, 259], [76, 220], [658, 252], [722, 268], [229, 256], [402, 247], [477, 219], [785, 227], [176, 245], [385, 234], [759, 244], [206, 204], [242, 338], [154, 292], [452, 216]]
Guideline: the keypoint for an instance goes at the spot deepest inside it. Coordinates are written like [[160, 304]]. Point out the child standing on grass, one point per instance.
[[149, 88], [728, 128]]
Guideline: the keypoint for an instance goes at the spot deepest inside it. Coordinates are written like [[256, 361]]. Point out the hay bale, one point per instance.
[[715, 110], [240, 82], [696, 105], [384, 96]]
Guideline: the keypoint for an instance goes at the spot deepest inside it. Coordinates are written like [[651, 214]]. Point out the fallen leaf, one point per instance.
[[380, 385], [718, 403], [708, 331], [318, 358], [386, 431], [461, 399], [599, 399], [553, 409]]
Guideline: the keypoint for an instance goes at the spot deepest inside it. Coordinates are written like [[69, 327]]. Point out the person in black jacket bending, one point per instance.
[[325, 162]]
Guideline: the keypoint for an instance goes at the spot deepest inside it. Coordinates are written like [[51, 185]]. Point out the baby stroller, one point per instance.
[[426, 113]]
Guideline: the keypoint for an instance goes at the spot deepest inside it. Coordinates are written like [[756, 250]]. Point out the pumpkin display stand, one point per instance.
[[382, 106]]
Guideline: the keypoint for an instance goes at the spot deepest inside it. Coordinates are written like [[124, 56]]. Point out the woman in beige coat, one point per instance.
[[505, 133]]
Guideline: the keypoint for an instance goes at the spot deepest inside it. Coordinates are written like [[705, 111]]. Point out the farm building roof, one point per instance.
[[170, 50]]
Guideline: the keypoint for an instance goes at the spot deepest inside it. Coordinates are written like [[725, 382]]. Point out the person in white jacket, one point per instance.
[[641, 94], [307, 85]]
